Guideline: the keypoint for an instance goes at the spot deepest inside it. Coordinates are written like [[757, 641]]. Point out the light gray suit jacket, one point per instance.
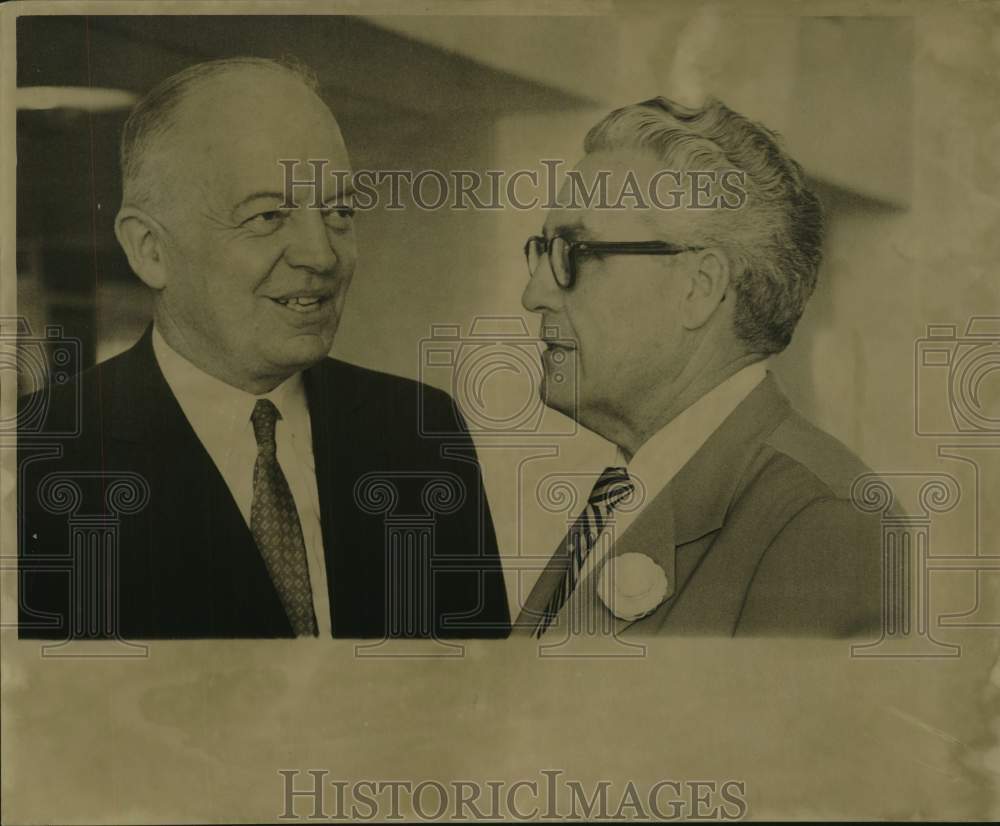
[[757, 535]]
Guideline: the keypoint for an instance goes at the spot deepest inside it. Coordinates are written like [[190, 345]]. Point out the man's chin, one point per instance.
[[556, 398], [302, 352]]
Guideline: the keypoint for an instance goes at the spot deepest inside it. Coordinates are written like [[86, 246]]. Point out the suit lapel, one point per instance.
[[202, 560], [345, 446], [706, 486], [544, 588], [704, 489], [691, 507]]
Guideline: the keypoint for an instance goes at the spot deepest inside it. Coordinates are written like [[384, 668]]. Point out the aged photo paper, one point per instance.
[[499, 411]]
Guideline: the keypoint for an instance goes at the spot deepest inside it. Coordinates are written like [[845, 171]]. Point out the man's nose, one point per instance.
[[311, 245], [542, 293]]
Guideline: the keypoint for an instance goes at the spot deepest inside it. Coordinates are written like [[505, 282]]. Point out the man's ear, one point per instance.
[[707, 290], [142, 239]]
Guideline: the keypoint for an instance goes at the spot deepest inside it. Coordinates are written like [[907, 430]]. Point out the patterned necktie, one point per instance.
[[610, 489], [274, 523]]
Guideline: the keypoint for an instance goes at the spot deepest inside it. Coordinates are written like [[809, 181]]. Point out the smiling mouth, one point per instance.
[[302, 304]]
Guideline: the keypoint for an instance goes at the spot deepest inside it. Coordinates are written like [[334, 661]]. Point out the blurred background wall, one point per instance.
[[894, 118]]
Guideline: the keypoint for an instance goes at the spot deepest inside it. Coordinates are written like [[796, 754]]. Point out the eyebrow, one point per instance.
[[573, 229]]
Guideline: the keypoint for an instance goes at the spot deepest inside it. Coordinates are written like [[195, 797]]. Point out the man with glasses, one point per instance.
[[724, 512]]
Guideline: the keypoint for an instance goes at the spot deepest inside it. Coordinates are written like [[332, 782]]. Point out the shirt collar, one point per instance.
[[216, 409], [669, 449]]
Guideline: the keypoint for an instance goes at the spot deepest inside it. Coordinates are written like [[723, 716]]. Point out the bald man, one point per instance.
[[230, 479]]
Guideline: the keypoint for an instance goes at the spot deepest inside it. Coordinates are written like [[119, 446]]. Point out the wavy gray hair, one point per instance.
[[775, 239]]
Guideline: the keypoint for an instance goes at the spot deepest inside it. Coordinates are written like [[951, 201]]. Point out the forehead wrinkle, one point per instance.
[[258, 195], [205, 167], [232, 180]]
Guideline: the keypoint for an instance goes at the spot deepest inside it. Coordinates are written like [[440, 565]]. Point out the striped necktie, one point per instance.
[[610, 489], [274, 523]]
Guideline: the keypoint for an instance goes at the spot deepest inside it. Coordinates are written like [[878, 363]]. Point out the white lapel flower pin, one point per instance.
[[632, 585]]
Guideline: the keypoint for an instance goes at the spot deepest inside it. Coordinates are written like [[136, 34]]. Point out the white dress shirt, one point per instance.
[[661, 456], [220, 416]]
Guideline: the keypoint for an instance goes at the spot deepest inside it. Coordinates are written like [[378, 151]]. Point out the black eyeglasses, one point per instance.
[[563, 254]]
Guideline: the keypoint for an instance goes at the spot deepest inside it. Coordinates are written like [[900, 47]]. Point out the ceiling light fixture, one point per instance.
[[81, 98]]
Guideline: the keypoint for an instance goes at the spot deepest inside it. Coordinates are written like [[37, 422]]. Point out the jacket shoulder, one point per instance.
[[337, 370], [833, 465], [68, 408], [392, 395]]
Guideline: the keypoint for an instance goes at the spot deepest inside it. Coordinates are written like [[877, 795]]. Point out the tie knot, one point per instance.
[[611, 488], [264, 417]]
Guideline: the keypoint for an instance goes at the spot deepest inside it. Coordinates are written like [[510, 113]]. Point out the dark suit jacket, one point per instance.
[[757, 534], [406, 555]]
